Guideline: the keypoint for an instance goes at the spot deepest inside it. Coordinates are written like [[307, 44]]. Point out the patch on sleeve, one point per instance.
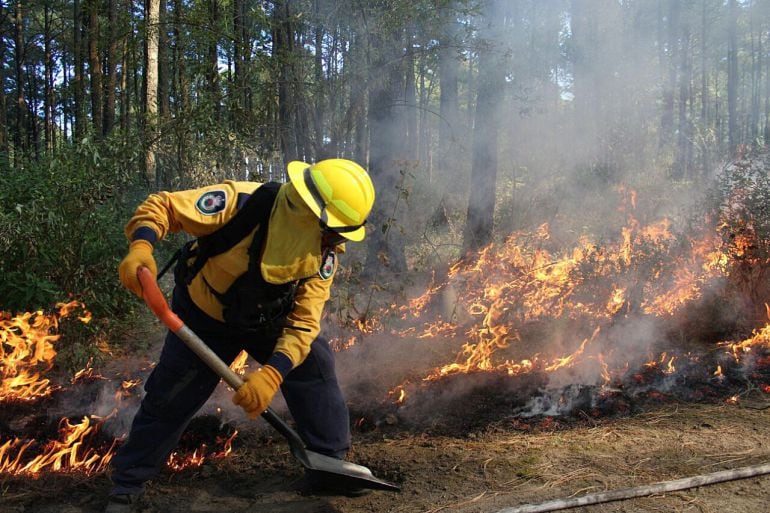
[[211, 202], [328, 260]]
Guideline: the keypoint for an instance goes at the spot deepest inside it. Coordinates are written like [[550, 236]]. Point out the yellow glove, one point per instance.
[[139, 254], [255, 395]]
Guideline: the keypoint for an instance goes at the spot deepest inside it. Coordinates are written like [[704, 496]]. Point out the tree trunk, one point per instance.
[[424, 130], [95, 67], [126, 71], [756, 78], [78, 80], [410, 97], [164, 107], [387, 134], [212, 69], [179, 57], [112, 67], [66, 105], [481, 204], [670, 63], [20, 137], [3, 100], [319, 96], [684, 132], [48, 104], [238, 81], [153, 18], [704, 92], [767, 94], [449, 104], [732, 76], [283, 41], [180, 81], [33, 107], [358, 98]]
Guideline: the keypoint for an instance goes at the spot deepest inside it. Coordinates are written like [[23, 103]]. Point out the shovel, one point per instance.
[[343, 472]]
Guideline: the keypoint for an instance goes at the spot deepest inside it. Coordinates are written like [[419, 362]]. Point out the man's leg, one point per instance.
[[178, 386], [316, 402]]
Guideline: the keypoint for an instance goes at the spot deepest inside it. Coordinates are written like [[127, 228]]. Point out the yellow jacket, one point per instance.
[[292, 251]]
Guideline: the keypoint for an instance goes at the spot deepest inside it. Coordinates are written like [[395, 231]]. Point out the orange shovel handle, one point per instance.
[[156, 300]]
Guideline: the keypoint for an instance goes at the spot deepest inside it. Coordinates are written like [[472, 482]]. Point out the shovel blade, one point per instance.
[[347, 473]]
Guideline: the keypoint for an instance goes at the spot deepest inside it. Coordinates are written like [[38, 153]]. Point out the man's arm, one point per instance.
[[303, 324]]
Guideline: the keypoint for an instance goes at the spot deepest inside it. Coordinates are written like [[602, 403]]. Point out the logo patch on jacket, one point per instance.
[[211, 202], [327, 263]]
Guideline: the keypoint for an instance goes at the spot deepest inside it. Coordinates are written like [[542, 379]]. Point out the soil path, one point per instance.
[[484, 471]]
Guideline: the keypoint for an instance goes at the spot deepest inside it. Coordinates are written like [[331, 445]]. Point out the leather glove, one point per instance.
[[139, 254], [255, 395]]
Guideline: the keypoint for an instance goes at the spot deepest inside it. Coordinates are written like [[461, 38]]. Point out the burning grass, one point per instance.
[[587, 330], [543, 333], [34, 443]]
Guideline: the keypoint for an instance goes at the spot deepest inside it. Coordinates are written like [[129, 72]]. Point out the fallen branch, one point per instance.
[[642, 491]]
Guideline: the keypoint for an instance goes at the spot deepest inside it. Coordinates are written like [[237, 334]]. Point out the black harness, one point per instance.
[[251, 303]]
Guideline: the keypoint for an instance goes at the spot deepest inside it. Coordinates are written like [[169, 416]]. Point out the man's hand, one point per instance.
[[139, 255], [257, 392]]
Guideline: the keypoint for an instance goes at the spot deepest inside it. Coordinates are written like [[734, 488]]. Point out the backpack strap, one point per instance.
[[254, 212]]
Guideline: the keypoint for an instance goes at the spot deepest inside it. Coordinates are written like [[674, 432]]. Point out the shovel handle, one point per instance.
[[155, 299], [339, 469]]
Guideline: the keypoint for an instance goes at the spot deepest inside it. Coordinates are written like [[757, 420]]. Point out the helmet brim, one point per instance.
[[296, 171]]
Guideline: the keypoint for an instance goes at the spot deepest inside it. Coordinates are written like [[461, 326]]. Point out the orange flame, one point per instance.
[[27, 351], [647, 270], [239, 365], [68, 454], [178, 461]]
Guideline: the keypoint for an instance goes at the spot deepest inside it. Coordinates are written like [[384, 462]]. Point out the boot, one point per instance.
[[122, 503]]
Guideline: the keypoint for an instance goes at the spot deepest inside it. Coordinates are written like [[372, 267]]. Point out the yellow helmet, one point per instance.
[[338, 191]]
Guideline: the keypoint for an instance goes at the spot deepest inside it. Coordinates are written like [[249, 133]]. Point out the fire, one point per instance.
[[647, 270], [71, 452], [179, 461], [86, 373], [27, 351], [760, 338], [239, 365], [400, 392]]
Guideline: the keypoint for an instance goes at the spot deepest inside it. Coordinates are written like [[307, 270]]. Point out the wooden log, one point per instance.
[[643, 490]]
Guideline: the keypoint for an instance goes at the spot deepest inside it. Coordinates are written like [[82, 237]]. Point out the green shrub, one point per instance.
[[61, 222]]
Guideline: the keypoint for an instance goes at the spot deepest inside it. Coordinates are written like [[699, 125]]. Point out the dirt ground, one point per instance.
[[501, 466], [459, 449]]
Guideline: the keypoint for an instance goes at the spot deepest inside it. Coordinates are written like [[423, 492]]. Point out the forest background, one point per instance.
[[476, 118]]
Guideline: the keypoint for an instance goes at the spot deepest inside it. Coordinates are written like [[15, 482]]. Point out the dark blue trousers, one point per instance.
[[181, 383]]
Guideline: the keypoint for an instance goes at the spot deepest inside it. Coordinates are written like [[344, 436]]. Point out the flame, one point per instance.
[[399, 391], [86, 373], [179, 461], [239, 365], [27, 351], [646, 270], [759, 339], [71, 452]]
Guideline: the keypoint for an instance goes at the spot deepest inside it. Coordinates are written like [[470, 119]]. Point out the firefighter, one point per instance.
[[256, 278]]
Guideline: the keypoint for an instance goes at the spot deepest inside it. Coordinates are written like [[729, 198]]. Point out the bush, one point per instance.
[[742, 203], [61, 223]]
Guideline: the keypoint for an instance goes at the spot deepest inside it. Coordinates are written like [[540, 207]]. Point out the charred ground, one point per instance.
[[463, 444], [499, 465]]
